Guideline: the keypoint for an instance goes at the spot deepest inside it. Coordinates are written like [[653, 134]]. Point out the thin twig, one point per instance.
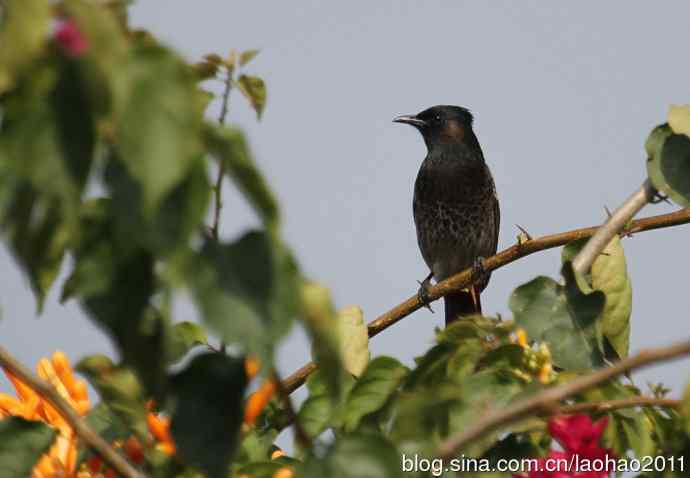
[[506, 256], [498, 419], [218, 188], [615, 223], [301, 435], [609, 405], [79, 425]]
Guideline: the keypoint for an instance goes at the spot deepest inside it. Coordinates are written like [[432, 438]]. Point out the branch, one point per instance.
[[79, 425], [301, 435], [218, 187], [620, 217], [506, 256], [608, 405], [498, 419]]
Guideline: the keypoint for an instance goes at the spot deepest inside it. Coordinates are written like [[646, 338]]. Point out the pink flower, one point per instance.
[[577, 433], [579, 437], [70, 38]]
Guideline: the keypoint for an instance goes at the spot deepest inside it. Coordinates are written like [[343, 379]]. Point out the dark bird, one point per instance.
[[455, 205]]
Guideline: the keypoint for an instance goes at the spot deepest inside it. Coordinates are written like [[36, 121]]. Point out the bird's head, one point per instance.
[[442, 124]]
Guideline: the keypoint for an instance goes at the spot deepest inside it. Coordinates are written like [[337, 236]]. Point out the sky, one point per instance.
[[564, 96]]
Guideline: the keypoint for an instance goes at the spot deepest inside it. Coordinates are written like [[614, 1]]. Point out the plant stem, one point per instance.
[[620, 217], [609, 405], [218, 187], [301, 435]]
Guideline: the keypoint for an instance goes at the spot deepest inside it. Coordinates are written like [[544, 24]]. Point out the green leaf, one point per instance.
[[24, 26], [213, 58], [356, 456], [639, 432], [247, 56], [444, 394], [254, 89], [185, 336], [208, 411], [247, 291], [40, 151], [120, 389], [317, 411], [319, 316], [373, 389], [353, 338], [679, 119], [37, 237], [107, 424], [628, 428], [629, 431], [321, 410], [517, 445], [21, 445], [159, 129], [432, 367], [181, 213], [75, 124], [107, 60], [104, 421], [421, 417], [114, 281], [230, 146], [509, 357], [205, 70], [469, 339], [256, 445], [563, 317], [609, 274], [487, 389], [668, 163], [46, 147], [459, 350]]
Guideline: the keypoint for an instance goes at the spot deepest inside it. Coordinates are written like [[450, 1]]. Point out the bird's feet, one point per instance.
[[423, 293], [479, 270]]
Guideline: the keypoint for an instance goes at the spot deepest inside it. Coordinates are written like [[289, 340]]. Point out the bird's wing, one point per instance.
[[497, 222]]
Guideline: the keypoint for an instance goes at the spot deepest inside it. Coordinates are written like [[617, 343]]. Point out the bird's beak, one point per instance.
[[411, 120]]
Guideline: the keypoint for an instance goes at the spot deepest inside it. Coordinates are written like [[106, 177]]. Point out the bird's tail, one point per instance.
[[461, 304]]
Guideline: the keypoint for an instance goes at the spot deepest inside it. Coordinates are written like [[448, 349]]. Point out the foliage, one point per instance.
[[106, 157], [668, 148]]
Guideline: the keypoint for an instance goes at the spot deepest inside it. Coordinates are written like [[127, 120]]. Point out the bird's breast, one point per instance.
[[454, 214]]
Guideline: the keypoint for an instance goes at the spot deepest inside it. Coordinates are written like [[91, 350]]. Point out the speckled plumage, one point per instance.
[[455, 206], [455, 212]]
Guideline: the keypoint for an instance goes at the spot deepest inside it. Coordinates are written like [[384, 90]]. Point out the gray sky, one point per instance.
[[564, 96]]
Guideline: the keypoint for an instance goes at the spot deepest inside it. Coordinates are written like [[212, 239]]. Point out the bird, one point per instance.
[[455, 206]]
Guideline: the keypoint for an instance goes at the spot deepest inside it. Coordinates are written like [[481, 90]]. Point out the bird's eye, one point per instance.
[[437, 118]]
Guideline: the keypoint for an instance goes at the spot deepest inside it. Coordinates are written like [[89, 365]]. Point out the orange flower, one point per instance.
[[258, 400], [61, 459], [252, 365], [520, 338], [62, 456], [159, 426], [284, 472]]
